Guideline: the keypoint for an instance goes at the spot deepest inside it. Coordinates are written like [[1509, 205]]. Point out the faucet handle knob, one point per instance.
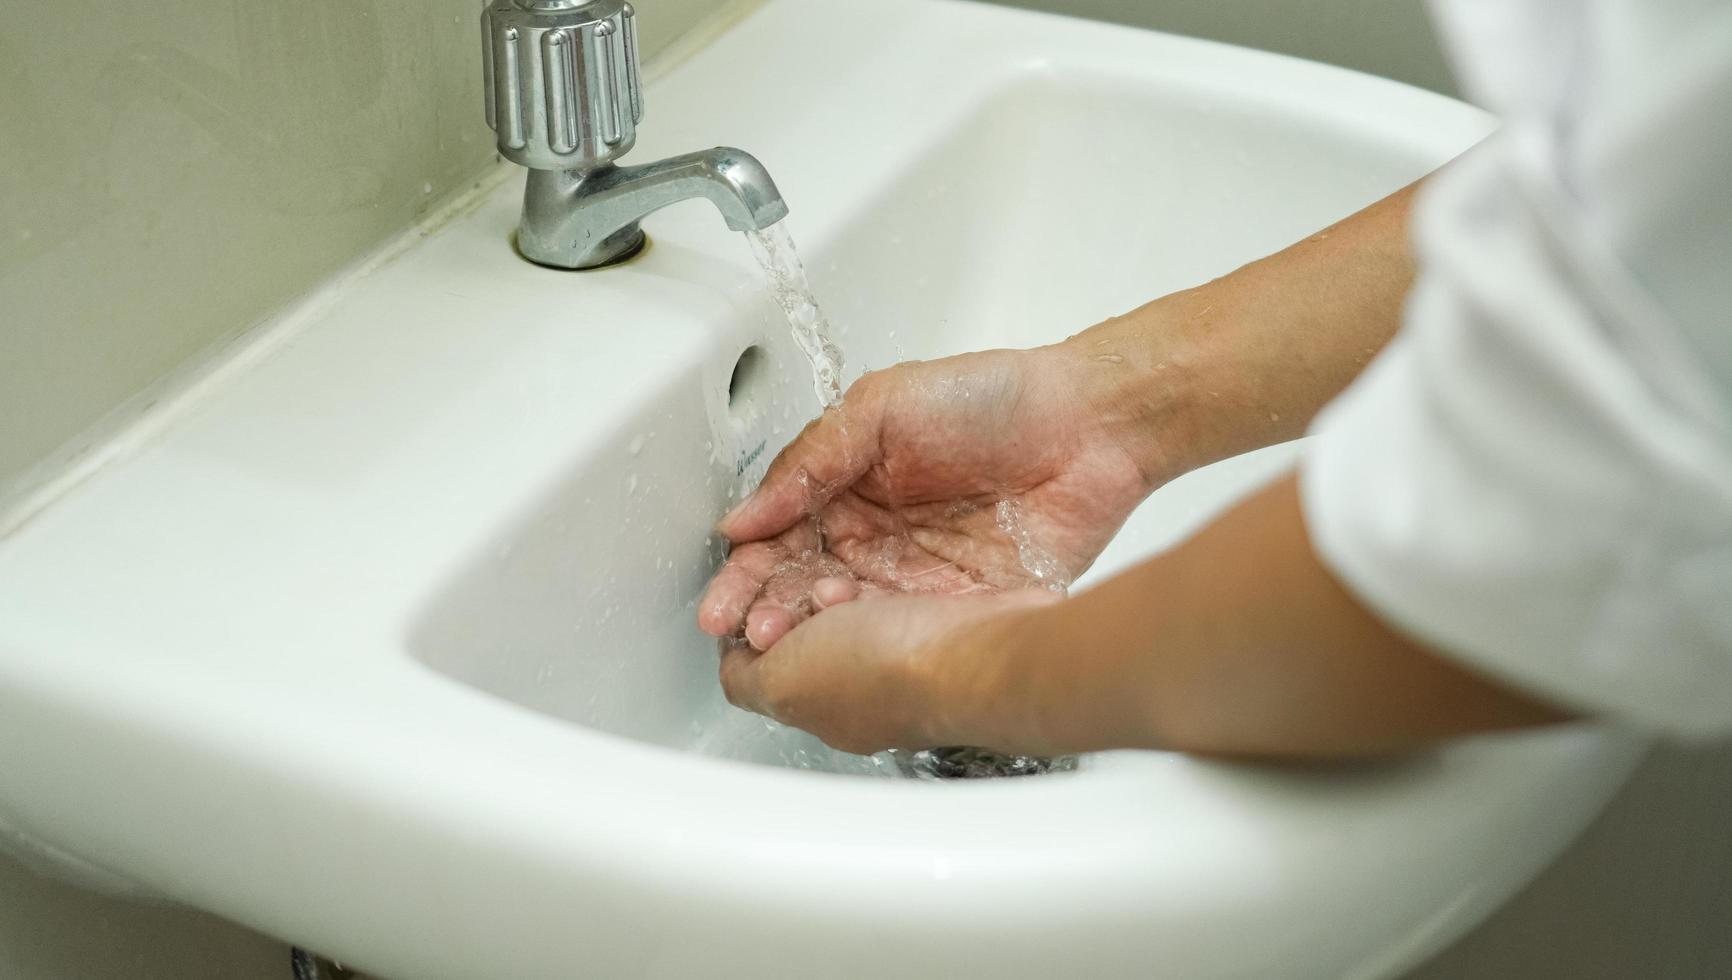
[[561, 82]]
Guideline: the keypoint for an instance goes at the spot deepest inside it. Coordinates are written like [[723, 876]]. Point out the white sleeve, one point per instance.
[[1535, 476]]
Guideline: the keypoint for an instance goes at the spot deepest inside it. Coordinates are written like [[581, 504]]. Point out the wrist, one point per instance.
[[1146, 378], [982, 684], [1024, 681]]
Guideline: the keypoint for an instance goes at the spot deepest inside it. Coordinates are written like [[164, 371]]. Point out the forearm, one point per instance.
[[1247, 360], [1239, 642]]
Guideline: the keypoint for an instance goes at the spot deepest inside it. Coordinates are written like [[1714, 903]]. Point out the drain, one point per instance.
[[971, 763]]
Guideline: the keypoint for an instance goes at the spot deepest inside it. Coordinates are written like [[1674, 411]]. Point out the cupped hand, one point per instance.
[[905, 672], [973, 474]]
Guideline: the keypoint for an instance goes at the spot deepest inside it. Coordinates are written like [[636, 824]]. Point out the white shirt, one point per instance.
[[1536, 475]]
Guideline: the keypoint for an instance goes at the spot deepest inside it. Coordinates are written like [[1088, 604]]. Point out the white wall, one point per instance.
[[176, 170], [52, 931], [1645, 894]]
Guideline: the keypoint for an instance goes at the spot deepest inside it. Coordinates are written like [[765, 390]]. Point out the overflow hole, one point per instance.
[[748, 376]]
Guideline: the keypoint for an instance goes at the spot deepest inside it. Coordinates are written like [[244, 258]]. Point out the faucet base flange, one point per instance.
[[621, 246]]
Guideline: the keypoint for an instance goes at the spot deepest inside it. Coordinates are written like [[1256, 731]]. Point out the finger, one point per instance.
[[784, 597], [833, 591], [739, 675], [792, 598], [767, 622], [826, 457], [722, 610]]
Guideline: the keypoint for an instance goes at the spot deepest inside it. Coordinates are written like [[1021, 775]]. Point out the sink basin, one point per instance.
[[384, 642]]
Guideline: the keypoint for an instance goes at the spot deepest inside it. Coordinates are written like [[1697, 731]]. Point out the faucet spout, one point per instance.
[[562, 91], [580, 219]]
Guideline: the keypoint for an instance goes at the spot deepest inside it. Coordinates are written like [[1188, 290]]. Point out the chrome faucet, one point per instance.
[[564, 96]]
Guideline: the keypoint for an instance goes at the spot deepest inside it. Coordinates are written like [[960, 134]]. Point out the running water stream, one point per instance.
[[785, 277]]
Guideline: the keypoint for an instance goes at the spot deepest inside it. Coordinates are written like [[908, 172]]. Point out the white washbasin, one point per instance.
[[385, 646]]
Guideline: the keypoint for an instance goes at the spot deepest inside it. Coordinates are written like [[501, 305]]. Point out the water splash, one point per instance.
[[786, 277], [740, 735], [1042, 566]]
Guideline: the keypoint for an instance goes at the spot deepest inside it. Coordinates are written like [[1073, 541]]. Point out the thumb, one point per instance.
[[832, 452]]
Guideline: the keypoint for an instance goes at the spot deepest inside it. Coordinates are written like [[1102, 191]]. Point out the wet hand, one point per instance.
[[972, 474], [904, 672]]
